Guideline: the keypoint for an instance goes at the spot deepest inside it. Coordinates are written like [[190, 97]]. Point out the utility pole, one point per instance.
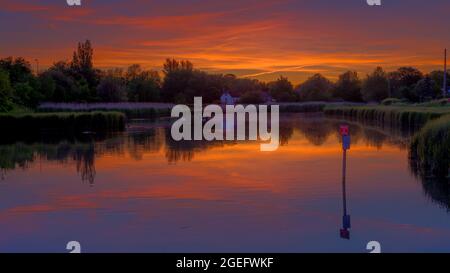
[[445, 74]]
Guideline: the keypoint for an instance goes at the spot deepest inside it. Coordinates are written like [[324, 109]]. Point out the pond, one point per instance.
[[140, 191]]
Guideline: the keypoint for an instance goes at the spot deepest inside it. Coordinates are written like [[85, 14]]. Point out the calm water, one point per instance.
[[142, 192]]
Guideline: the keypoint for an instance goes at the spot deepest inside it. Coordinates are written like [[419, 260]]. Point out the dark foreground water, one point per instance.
[[142, 192]]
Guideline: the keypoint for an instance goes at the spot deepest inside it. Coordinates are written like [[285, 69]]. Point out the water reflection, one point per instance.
[[147, 137], [437, 188], [346, 224], [142, 191]]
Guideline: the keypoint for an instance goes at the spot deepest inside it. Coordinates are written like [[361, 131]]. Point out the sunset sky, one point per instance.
[[250, 38]]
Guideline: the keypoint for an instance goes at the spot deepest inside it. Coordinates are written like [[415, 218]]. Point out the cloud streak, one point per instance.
[[267, 37]]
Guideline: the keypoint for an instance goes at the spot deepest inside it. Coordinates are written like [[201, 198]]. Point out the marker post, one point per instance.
[[346, 225]]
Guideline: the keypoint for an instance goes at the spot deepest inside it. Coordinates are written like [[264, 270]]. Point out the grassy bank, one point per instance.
[[430, 148], [66, 123], [154, 110], [311, 107], [131, 110], [302, 107], [404, 116], [430, 145], [143, 113]]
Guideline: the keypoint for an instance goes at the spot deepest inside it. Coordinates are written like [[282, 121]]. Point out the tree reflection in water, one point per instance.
[[437, 188], [155, 138], [85, 161]]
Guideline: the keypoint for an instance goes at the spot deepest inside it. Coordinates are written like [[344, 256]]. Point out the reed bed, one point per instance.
[[402, 116], [130, 109], [430, 148], [66, 123], [302, 107]]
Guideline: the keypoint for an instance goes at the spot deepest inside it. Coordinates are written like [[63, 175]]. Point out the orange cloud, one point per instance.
[[261, 39]]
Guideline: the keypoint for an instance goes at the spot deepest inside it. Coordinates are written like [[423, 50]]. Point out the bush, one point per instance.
[[430, 148]]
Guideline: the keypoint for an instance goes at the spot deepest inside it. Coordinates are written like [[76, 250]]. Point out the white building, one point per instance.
[[227, 99]]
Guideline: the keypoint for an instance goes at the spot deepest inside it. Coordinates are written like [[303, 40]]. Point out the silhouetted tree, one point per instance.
[[63, 67], [142, 85], [144, 91], [426, 89], [112, 89], [47, 86], [403, 80], [348, 87], [172, 65], [82, 66], [66, 88], [82, 57], [27, 95], [19, 69], [316, 88], [438, 78], [238, 87], [376, 86], [251, 97], [182, 82], [24, 85], [282, 90], [5, 91]]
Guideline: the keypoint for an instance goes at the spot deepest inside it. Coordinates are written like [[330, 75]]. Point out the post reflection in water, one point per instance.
[[346, 225], [221, 195]]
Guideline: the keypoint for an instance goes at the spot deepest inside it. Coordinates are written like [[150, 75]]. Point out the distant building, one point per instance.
[[227, 99]]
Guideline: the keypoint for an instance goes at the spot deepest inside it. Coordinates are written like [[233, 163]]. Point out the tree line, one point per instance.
[[79, 81]]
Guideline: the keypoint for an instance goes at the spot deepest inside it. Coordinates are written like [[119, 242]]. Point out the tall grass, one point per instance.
[[67, 123], [131, 110], [430, 148], [153, 110], [403, 116], [301, 107], [430, 145]]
